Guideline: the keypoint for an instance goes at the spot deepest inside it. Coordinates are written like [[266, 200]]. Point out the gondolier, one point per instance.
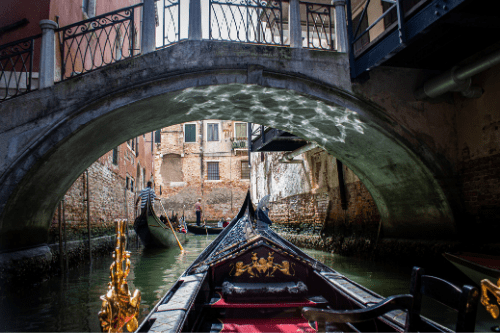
[[146, 194], [198, 210]]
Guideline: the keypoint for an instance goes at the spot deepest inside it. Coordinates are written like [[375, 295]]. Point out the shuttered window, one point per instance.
[[190, 133], [212, 132], [240, 131], [213, 171]]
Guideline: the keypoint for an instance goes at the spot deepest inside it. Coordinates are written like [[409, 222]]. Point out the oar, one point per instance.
[[205, 224], [171, 228]]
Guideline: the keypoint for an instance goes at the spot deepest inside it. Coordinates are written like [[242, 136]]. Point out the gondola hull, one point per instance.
[[154, 233], [251, 279], [202, 230], [476, 266]]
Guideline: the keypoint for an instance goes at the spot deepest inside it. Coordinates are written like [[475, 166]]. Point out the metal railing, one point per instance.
[[319, 25], [102, 40], [16, 67], [99, 41], [171, 22], [249, 21]]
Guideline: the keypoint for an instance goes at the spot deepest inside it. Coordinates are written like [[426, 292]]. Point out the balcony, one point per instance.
[[422, 34]]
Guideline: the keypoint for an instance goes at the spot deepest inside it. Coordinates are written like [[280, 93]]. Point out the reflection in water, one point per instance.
[[70, 302]]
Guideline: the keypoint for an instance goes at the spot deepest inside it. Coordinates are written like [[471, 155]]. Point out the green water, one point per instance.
[[69, 302]]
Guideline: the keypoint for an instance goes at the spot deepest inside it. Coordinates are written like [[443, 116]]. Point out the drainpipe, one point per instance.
[[458, 79], [288, 157]]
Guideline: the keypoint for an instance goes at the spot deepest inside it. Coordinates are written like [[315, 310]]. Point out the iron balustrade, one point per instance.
[[99, 41], [319, 25], [249, 21], [171, 22], [105, 39], [16, 65]]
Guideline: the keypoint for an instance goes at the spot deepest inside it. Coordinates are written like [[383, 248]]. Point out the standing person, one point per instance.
[[197, 208], [146, 194]]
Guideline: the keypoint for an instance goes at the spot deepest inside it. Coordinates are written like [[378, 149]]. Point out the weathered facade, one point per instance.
[[107, 190], [203, 159], [311, 197]]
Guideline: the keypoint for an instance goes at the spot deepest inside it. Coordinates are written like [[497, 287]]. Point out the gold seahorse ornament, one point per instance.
[[118, 306], [487, 285]]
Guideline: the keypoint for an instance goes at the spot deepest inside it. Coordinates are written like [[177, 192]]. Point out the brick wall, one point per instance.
[[480, 180], [108, 192]]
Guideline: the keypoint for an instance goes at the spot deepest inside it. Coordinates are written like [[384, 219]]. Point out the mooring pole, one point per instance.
[[60, 234], [126, 213], [88, 214]]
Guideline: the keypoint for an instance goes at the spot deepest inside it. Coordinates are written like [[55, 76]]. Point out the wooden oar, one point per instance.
[[171, 228]]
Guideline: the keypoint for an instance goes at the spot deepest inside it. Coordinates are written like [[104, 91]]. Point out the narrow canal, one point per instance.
[[69, 302]]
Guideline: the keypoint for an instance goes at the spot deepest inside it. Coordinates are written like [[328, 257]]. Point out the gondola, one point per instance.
[[203, 230], [476, 266], [154, 233], [249, 279]]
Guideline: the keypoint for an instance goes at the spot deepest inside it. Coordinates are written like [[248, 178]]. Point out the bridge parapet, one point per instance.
[[105, 39]]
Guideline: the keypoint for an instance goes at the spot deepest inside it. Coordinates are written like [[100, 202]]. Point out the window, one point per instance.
[[131, 144], [392, 17], [131, 185], [240, 131], [115, 156], [213, 171], [212, 132], [127, 181], [190, 133], [245, 170], [158, 136], [366, 37]]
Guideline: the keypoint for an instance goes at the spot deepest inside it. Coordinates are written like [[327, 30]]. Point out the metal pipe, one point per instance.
[[288, 157], [458, 79]]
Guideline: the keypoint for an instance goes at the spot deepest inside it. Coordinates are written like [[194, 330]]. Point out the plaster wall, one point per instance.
[[308, 199]]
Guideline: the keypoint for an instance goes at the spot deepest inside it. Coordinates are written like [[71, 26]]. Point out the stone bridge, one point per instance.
[[50, 136]]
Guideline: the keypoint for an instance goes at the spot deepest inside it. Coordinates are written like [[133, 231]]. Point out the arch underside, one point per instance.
[[410, 201]]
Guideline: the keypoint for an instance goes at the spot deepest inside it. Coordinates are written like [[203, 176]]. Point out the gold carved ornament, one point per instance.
[[262, 267], [487, 285], [118, 307]]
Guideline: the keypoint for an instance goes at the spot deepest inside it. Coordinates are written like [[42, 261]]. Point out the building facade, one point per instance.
[[205, 159], [108, 189]]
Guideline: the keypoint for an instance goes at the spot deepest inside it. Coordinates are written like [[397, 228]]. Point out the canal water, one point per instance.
[[70, 302]]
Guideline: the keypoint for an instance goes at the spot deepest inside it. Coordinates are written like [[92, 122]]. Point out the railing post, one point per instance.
[[194, 31], [47, 53], [294, 26], [341, 40], [148, 40]]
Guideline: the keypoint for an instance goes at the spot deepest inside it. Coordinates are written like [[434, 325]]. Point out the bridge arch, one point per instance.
[[287, 89]]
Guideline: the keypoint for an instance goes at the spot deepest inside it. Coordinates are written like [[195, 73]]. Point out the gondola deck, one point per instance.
[[249, 279]]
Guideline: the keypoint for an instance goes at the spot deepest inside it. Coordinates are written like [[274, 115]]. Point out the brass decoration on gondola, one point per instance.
[[259, 267], [487, 285], [118, 307]]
